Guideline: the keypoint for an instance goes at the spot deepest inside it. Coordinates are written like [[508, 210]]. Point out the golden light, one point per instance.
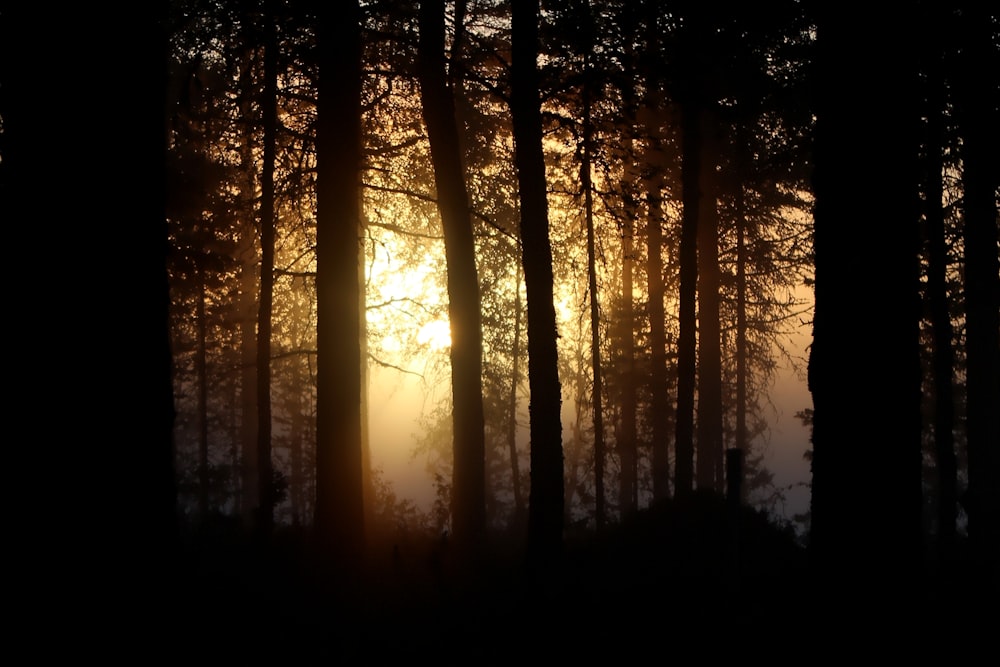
[[435, 334]]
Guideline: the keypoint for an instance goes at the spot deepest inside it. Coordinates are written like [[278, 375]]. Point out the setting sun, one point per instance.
[[435, 334]]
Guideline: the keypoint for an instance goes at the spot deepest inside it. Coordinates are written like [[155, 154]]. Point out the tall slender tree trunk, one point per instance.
[[976, 88], [468, 502], [545, 512], [201, 370], [296, 455], [660, 406], [741, 442], [233, 426], [595, 315], [367, 474], [248, 382], [628, 439], [156, 470], [943, 355], [269, 113], [709, 459], [686, 339], [248, 277], [659, 412], [515, 379], [866, 485], [339, 510], [627, 445]]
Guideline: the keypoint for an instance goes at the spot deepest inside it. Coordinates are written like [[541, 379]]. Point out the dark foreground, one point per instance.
[[696, 582]]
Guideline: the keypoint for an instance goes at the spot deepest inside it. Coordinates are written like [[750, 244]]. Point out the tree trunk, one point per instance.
[[709, 459], [741, 443], [943, 355], [976, 89], [659, 412], [339, 520], [296, 458], [468, 501], [515, 378], [249, 259], [545, 513], [595, 316], [864, 371], [628, 446], [269, 113], [367, 474], [686, 339], [201, 369], [628, 498]]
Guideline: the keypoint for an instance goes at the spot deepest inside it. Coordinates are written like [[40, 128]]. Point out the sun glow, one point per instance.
[[435, 334]]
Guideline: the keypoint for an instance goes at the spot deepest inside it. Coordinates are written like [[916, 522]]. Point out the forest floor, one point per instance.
[[670, 577]]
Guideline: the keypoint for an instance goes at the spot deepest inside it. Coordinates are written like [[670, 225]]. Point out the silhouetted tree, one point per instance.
[[934, 22], [866, 493], [709, 457], [653, 182], [249, 259], [689, 99], [269, 109], [339, 512], [627, 436], [545, 512], [976, 89], [586, 184], [111, 374], [438, 103]]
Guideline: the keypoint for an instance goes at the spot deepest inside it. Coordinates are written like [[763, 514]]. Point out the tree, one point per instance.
[[691, 142], [545, 512], [586, 184], [115, 367], [709, 458], [249, 260], [269, 107], [866, 494], [936, 297], [977, 98], [339, 511], [656, 165], [438, 103]]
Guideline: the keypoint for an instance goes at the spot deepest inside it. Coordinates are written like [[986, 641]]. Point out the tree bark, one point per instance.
[[628, 497], [628, 445], [468, 501], [659, 411], [269, 113], [943, 355], [976, 89], [249, 259], [686, 339], [709, 458], [864, 372], [741, 440], [546, 507], [597, 400], [515, 379], [201, 370], [339, 520]]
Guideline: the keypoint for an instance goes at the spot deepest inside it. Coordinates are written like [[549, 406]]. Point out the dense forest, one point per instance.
[[586, 228]]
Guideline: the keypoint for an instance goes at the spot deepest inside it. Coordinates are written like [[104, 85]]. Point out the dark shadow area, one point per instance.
[[682, 571]]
